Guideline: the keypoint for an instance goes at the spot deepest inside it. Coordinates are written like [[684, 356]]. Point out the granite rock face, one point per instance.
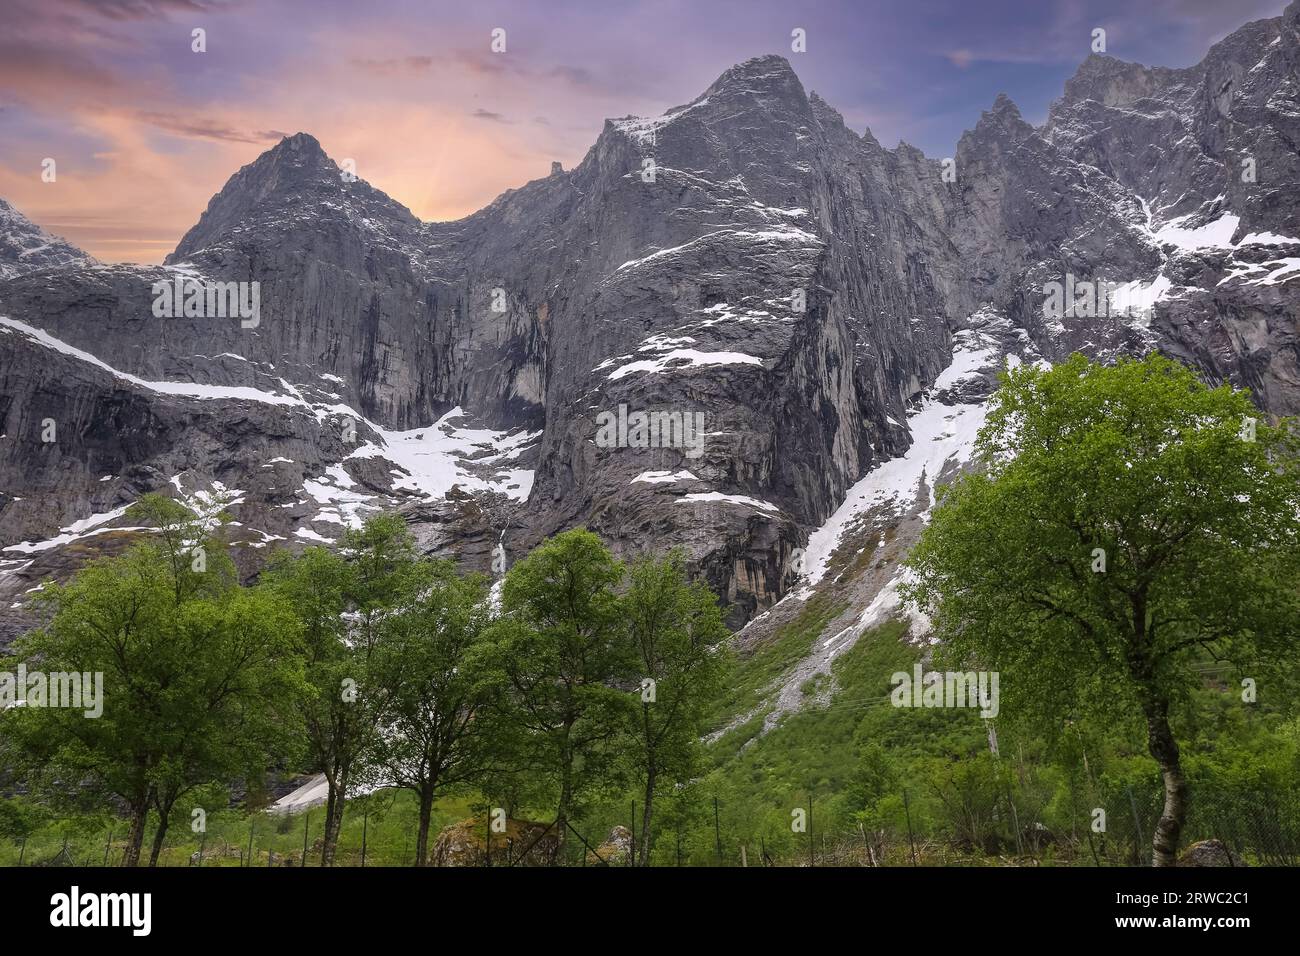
[[735, 328]]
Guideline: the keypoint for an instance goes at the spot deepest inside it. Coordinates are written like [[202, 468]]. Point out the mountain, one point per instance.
[[821, 320], [26, 247]]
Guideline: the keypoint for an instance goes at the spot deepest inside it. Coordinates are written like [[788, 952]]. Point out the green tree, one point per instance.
[[676, 631], [193, 666], [340, 600], [20, 817], [1125, 524], [874, 779], [556, 653], [436, 729]]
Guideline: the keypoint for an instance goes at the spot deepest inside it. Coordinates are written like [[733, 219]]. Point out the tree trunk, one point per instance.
[[566, 797], [135, 839], [159, 835], [333, 819], [644, 852], [422, 834], [1163, 747]]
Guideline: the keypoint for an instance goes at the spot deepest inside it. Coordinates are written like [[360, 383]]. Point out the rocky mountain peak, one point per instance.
[[748, 123], [1005, 109], [294, 159], [26, 247], [1114, 82], [299, 142], [1001, 121], [826, 114], [292, 180], [760, 74]]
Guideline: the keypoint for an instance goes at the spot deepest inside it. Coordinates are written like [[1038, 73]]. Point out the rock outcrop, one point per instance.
[[468, 843]]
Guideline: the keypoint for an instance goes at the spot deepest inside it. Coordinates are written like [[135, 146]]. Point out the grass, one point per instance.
[[757, 671], [389, 833], [808, 753]]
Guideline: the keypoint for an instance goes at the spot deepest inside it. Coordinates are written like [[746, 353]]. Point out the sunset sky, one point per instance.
[[144, 130]]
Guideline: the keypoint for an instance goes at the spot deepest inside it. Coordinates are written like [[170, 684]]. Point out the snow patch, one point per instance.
[[429, 460], [682, 359], [941, 434], [663, 477], [729, 499], [84, 528]]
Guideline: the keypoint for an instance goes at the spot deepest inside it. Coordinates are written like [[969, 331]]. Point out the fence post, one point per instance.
[[252, 822], [22, 850], [717, 830], [365, 825], [910, 839], [107, 843], [632, 851], [812, 860], [306, 822], [1074, 814], [203, 842], [1137, 828]]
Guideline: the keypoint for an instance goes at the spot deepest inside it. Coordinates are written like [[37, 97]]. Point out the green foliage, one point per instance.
[[815, 752], [676, 632], [195, 670], [555, 654], [749, 684], [345, 602], [1126, 525], [436, 729], [1198, 527]]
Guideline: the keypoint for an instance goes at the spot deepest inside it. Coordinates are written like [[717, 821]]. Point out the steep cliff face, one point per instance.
[[1182, 139], [739, 328], [738, 259]]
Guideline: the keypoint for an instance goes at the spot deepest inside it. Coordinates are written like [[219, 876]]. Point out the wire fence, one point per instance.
[[1251, 826]]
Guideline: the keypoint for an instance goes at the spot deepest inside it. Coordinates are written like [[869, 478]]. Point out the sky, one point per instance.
[[144, 130]]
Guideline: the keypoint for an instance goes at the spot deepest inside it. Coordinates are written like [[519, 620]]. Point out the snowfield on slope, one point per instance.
[[426, 462]]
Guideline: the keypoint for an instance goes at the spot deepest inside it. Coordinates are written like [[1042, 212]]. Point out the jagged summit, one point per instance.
[[762, 82], [1004, 106], [26, 247], [1000, 120], [292, 180], [1168, 134], [770, 71], [294, 156], [601, 287], [299, 142], [1115, 82]]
